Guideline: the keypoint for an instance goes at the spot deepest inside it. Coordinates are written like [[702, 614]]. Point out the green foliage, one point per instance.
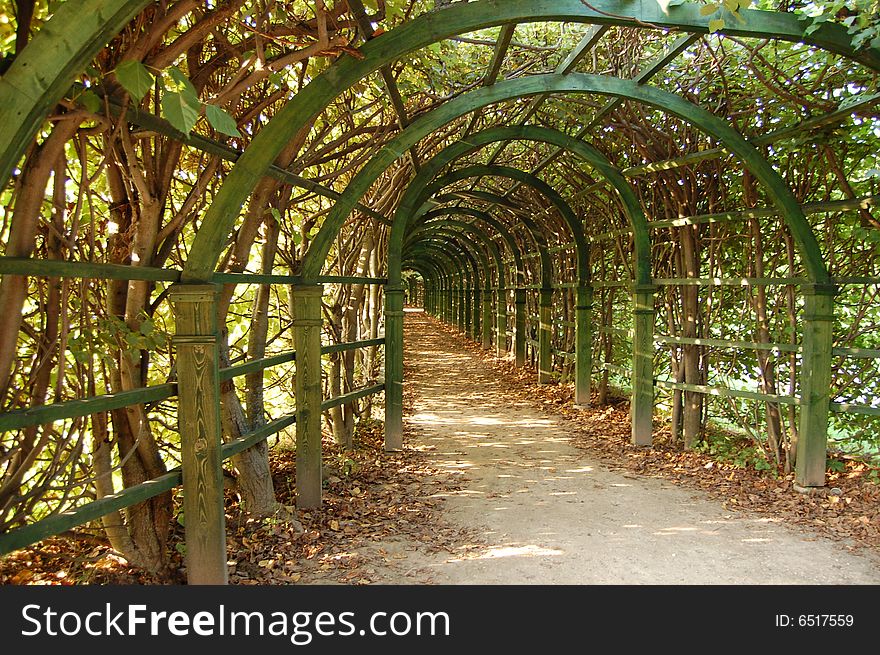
[[112, 333], [860, 17], [181, 110], [180, 101], [732, 6], [835, 465], [739, 452], [221, 121], [135, 78]]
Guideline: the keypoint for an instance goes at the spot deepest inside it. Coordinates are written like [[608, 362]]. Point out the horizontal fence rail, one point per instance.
[[73, 269], [94, 510]]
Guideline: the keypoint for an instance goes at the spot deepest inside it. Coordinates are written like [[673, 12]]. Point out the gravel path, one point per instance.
[[548, 514]]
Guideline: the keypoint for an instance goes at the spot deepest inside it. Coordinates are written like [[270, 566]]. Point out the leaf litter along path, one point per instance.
[[547, 512], [504, 481]]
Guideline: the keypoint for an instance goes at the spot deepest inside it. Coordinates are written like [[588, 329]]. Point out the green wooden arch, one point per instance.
[[479, 257], [773, 183], [466, 17], [466, 293], [535, 233], [458, 260], [515, 174], [487, 218], [632, 207], [45, 70], [463, 263], [470, 228]]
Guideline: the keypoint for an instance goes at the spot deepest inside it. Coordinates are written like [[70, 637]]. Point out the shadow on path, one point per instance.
[[548, 514]]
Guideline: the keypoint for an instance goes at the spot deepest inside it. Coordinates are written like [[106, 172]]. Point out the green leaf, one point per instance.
[[134, 78], [221, 121], [90, 100], [817, 23], [278, 79], [716, 24], [275, 213], [181, 110], [705, 10], [180, 82]]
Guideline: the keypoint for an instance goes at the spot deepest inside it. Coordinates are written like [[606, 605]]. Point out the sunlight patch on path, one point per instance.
[[549, 514]]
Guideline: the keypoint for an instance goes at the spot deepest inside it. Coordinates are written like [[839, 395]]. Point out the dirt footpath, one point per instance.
[[545, 513]]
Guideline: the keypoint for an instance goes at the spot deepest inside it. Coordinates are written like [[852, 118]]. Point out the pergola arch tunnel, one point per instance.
[[471, 247]]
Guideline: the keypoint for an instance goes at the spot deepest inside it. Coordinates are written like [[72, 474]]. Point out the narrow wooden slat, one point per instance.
[[254, 278], [860, 353], [352, 396], [352, 345], [501, 47], [290, 356], [256, 436], [58, 268], [856, 280], [350, 279], [729, 282], [727, 392], [22, 418], [58, 523], [257, 365], [725, 343], [850, 408], [93, 270]]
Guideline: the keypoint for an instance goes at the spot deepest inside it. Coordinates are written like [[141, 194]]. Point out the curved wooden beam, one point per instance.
[[45, 70], [773, 183], [467, 17]]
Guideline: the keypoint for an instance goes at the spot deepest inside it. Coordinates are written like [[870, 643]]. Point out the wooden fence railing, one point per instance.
[[199, 571]]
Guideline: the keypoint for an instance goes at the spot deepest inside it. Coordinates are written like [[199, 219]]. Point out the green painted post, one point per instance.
[[453, 305], [469, 311], [459, 306], [583, 344], [487, 323], [456, 306], [393, 368], [478, 315], [307, 341], [545, 336], [198, 411], [815, 385], [501, 323], [462, 307], [519, 328], [641, 411]]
